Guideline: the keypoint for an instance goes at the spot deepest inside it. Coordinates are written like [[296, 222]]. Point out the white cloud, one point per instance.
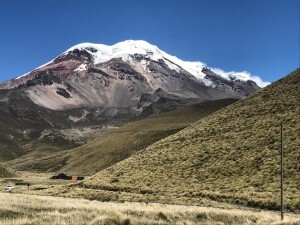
[[244, 75], [259, 81]]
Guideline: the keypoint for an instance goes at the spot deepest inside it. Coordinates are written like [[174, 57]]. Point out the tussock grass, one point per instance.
[[19, 209], [230, 156], [116, 219]]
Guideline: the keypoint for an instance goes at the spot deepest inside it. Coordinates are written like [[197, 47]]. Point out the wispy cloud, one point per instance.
[[244, 75]]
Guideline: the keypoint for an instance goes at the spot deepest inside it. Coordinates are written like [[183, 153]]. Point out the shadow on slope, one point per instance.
[[119, 144]]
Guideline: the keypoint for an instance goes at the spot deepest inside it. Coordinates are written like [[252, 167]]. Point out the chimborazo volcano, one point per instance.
[[96, 84]]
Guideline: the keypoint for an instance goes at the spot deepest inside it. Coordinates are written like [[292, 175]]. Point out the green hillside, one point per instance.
[[230, 156], [120, 143]]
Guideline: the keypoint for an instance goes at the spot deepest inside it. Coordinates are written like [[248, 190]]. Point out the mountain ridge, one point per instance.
[[96, 75], [80, 88], [103, 53]]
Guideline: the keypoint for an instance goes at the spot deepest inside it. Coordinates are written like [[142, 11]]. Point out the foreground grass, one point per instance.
[[28, 209]]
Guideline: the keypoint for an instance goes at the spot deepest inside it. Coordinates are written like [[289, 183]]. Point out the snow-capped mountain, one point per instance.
[[130, 74], [128, 49]]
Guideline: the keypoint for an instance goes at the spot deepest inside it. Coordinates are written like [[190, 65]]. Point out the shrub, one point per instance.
[[116, 220]]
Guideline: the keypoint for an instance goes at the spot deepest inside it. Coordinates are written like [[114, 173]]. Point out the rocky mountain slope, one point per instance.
[[27, 127], [98, 85], [118, 144], [232, 155], [131, 74]]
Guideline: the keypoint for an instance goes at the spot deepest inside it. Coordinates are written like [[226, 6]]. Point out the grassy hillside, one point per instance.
[[120, 143], [5, 171], [231, 156]]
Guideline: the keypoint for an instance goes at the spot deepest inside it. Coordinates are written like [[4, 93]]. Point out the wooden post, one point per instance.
[[281, 174]]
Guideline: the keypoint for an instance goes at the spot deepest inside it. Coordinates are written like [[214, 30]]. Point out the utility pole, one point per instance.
[[281, 174]]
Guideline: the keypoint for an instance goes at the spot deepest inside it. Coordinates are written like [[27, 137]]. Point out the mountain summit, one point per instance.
[[104, 86], [130, 74]]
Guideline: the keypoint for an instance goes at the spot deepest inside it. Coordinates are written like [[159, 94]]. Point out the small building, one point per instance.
[[62, 176], [67, 177]]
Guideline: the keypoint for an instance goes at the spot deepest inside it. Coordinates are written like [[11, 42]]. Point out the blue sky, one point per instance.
[[258, 36]]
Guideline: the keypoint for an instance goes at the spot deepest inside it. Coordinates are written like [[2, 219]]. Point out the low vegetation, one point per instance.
[[6, 171], [119, 144], [230, 156], [226, 160], [19, 209]]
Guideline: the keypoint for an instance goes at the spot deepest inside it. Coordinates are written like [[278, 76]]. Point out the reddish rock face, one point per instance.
[[107, 86]]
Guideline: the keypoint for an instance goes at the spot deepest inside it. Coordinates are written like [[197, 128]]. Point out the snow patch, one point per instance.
[[76, 119], [81, 67], [34, 69], [208, 83], [22, 76], [103, 53]]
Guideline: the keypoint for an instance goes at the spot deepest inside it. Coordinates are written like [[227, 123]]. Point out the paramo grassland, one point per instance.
[[231, 156], [20, 209]]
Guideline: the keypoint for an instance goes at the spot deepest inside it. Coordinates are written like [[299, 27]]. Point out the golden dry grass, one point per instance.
[[230, 156], [6, 171], [20, 209]]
